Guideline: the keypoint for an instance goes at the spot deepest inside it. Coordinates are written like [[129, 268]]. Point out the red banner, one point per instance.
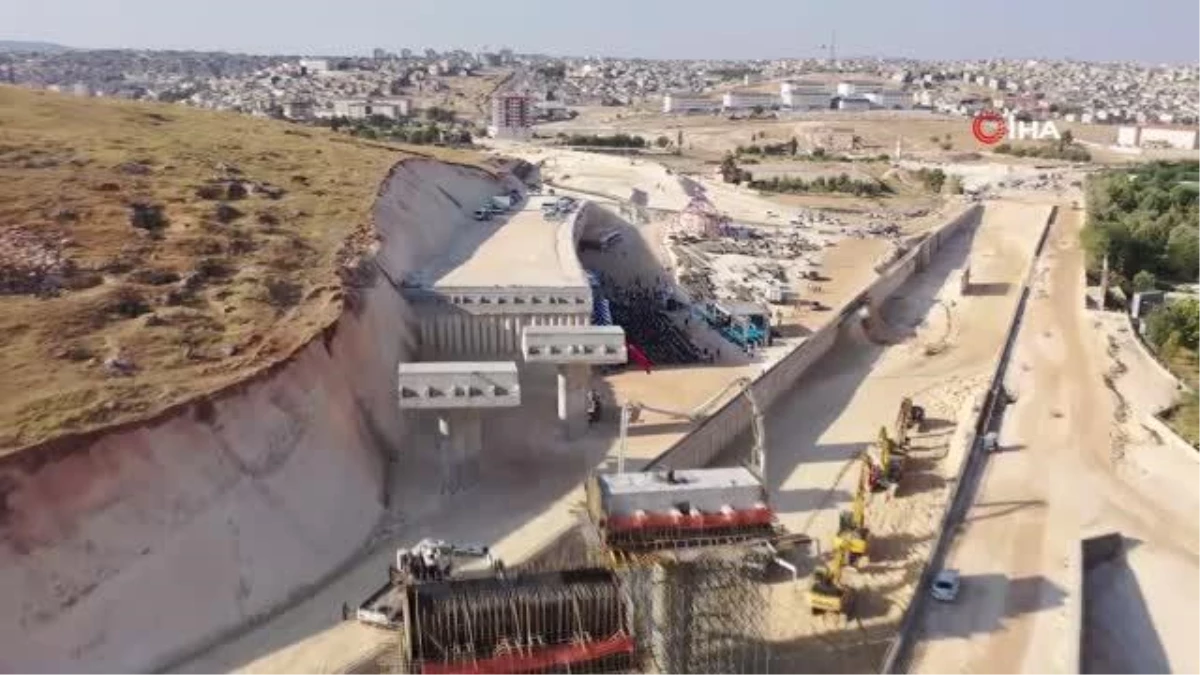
[[537, 660], [686, 521]]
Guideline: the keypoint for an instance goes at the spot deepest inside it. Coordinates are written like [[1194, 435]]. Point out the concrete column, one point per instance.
[[573, 381], [460, 443]]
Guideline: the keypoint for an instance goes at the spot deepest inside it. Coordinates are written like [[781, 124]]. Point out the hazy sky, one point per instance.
[[1139, 30]]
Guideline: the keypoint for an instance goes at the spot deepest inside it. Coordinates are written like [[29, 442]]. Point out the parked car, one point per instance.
[[483, 214], [945, 586]]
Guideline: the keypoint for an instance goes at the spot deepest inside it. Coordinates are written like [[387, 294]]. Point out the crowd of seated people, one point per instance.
[[639, 310]]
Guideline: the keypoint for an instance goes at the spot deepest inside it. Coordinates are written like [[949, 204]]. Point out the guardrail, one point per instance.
[[969, 473]]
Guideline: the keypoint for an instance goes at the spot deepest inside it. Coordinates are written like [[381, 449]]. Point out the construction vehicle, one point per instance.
[[853, 533], [888, 466], [910, 416], [433, 559], [829, 594], [429, 561]]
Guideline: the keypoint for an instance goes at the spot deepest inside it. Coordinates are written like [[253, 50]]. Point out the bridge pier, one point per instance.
[[574, 349], [460, 444], [457, 392], [573, 381]]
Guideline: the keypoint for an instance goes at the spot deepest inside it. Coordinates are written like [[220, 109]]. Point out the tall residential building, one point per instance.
[[512, 115]]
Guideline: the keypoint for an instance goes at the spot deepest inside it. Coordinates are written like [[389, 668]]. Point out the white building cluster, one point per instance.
[[1179, 138], [795, 95]]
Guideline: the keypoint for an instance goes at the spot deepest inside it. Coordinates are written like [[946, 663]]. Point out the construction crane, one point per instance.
[[853, 533], [828, 594], [632, 410], [433, 559]]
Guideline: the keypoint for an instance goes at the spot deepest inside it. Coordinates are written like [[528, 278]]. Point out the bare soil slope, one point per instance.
[[149, 253]]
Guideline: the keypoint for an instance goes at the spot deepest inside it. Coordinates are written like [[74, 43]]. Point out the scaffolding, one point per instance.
[[698, 611], [705, 614], [564, 621]]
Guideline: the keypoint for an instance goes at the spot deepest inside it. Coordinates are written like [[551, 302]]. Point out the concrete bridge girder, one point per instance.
[[459, 392]]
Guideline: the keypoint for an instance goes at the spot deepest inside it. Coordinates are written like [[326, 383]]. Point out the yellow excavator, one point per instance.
[[910, 415], [828, 594], [889, 466], [852, 533]]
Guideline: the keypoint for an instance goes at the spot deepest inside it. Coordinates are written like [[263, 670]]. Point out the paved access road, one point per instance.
[[1053, 483]]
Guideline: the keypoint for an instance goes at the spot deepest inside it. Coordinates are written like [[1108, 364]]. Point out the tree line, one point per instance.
[[842, 183], [1146, 221], [619, 140]]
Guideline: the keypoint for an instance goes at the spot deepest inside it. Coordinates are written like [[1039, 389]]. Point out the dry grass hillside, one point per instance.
[[149, 253]]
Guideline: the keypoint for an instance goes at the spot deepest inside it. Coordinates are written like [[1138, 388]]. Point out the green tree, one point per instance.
[[1144, 281], [662, 141], [1170, 349], [1065, 139], [729, 168], [1183, 251]]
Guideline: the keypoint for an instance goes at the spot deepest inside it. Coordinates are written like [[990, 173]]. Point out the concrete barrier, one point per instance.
[[702, 445]]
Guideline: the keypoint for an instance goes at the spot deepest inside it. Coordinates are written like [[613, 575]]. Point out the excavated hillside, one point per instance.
[[151, 253], [199, 329]]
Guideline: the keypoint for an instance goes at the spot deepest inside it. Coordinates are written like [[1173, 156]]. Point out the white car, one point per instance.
[[945, 586]]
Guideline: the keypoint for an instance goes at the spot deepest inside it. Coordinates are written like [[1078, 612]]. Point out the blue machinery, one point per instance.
[[741, 328]]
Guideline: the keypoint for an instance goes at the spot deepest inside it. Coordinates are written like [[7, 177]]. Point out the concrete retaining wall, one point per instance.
[[702, 445]]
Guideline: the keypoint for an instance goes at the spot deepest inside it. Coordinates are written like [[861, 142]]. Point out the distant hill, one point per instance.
[[27, 46]]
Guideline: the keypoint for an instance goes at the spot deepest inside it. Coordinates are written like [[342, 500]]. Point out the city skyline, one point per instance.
[[1158, 32]]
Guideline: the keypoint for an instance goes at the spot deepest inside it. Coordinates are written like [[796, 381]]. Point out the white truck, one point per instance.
[[429, 560], [504, 202]]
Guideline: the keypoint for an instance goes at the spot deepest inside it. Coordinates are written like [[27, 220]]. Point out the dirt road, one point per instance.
[[947, 348], [1052, 483]]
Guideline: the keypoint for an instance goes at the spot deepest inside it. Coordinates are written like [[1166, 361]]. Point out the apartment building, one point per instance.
[[512, 115], [689, 103], [745, 100]]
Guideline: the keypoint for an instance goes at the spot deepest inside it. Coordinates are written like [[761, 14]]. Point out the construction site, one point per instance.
[[578, 413]]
